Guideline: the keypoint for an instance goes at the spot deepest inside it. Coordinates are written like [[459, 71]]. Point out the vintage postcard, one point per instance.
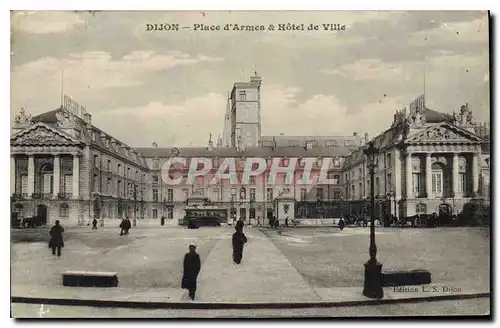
[[250, 164]]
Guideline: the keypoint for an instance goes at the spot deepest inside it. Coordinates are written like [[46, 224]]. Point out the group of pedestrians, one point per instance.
[[192, 262], [125, 226]]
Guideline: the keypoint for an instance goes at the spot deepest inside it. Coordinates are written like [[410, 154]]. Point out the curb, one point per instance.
[[207, 306]]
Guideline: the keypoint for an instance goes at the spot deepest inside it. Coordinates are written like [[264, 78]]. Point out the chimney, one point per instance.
[[366, 137], [355, 134]]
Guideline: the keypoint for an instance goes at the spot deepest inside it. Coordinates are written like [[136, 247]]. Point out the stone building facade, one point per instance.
[[427, 162], [64, 168]]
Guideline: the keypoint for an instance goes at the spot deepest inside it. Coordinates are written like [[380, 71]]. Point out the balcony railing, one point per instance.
[[39, 195], [63, 195], [19, 196]]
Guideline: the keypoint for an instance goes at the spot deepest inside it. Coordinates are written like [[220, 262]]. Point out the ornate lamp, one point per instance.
[[373, 269]]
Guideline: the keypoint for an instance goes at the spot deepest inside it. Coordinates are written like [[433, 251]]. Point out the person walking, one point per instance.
[[56, 239], [239, 240], [192, 266], [128, 225], [286, 222], [258, 222], [94, 224], [341, 224], [122, 227]]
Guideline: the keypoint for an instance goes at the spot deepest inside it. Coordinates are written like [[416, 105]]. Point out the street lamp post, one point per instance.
[[373, 269], [135, 204]]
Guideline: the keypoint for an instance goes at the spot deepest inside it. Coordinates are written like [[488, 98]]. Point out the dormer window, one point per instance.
[[126, 152], [93, 137], [106, 142]]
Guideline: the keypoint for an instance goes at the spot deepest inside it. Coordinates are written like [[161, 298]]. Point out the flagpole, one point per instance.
[[62, 86]]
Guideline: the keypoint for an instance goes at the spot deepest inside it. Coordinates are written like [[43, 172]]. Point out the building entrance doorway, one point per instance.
[[41, 214]]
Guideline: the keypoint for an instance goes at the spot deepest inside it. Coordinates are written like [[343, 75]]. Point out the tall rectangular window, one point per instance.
[[462, 182], [252, 194], [96, 183], [170, 213], [243, 95], [437, 184], [270, 194], [377, 186], [336, 195], [389, 182], [319, 193], [155, 213], [303, 194], [155, 195], [170, 195], [416, 184], [68, 184]]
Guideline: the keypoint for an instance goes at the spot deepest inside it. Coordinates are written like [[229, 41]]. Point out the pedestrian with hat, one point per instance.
[[192, 266]]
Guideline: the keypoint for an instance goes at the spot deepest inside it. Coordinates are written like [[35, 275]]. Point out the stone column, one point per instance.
[[13, 175], [475, 174], [409, 180], [455, 176], [31, 175], [57, 175], [428, 175], [396, 171], [76, 176]]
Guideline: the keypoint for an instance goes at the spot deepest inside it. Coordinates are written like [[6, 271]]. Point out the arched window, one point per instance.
[[46, 179], [437, 180], [64, 210]]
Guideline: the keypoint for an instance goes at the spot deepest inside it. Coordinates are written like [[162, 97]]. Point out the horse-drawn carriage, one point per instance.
[[27, 222]]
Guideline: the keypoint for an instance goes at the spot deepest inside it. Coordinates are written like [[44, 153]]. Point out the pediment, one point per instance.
[[443, 133], [42, 134]]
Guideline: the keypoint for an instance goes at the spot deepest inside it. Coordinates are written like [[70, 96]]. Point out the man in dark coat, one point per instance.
[[128, 225], [122, 227], [192, 266], [94, 224], [239, 239], [56, 239], [341, 224]]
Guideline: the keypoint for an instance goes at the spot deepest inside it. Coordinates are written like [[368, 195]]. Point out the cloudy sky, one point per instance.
[[171, 87]]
